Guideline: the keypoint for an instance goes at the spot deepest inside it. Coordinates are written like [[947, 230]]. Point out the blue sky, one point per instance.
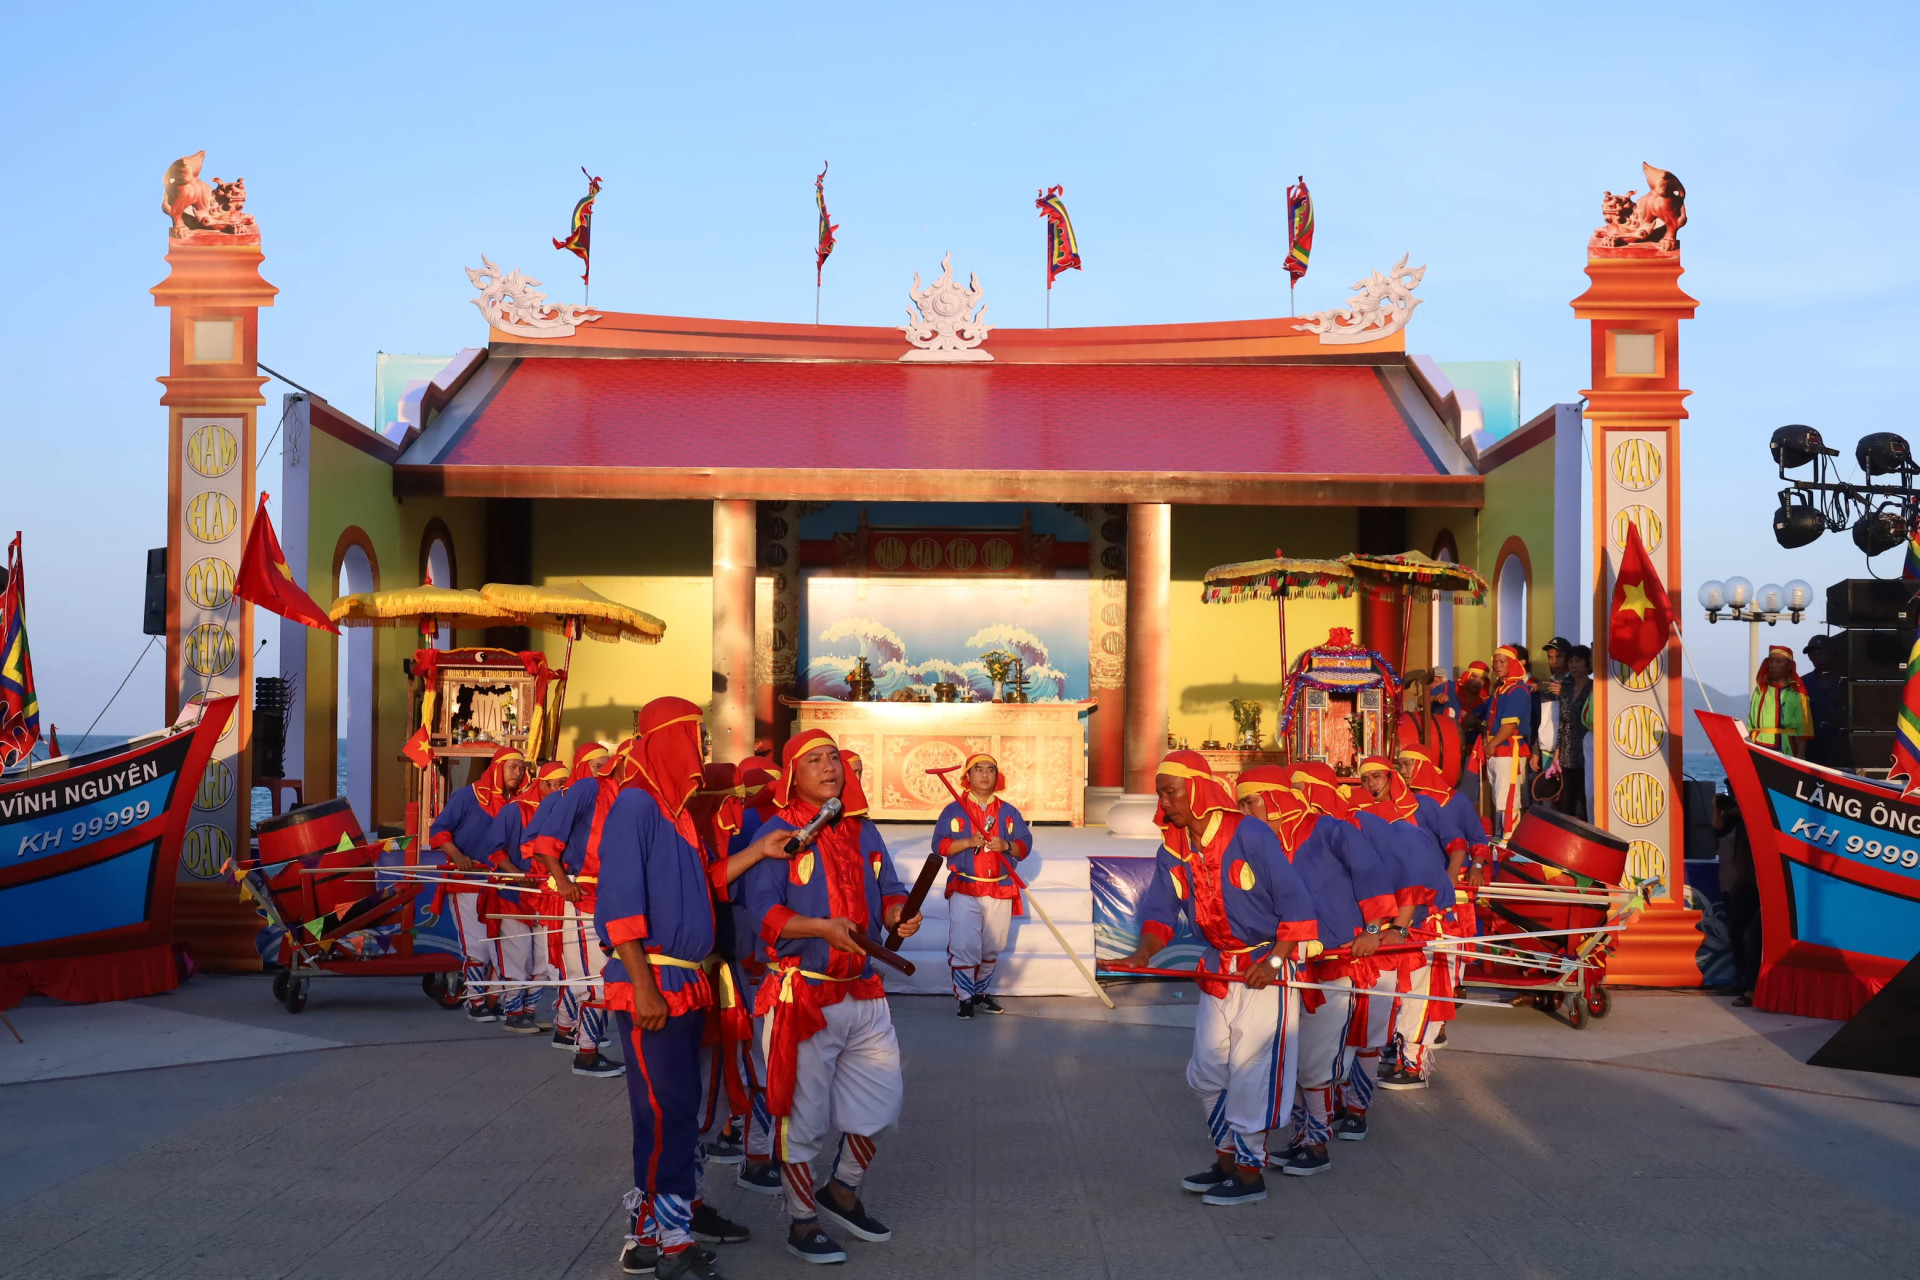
[[386, 147]]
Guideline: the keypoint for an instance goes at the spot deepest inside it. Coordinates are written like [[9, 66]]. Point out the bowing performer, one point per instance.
[[833, 1062], [551, 815], [1353, 898], [981, 836], [1245, 899], [568, 847], [520, 935], [465, 833], [716, 810]]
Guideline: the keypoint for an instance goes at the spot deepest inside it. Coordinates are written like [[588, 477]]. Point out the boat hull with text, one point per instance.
[[1837, 861]]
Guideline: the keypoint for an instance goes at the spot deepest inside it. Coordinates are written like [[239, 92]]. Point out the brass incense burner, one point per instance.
[[860, 682]]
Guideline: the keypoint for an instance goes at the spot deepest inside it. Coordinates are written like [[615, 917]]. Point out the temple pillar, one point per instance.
[[1107, 650], [1149, 624], [1635, 306], [213, 293], [731, 719], [777, 620]]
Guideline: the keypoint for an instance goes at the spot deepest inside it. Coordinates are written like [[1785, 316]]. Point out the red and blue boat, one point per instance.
[[1837, 860], [89, 846]]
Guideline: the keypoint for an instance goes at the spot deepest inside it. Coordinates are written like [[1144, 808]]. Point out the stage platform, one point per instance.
[[1034, 963]]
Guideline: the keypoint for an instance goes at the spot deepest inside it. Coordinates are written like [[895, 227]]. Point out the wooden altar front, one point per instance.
[[1042, 746]]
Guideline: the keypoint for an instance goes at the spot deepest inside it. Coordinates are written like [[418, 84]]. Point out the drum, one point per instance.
[[312, 828], [309, 839], [1548, 836]]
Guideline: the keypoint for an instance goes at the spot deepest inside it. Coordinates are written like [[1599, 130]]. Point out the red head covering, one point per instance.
[[1474, 696], [488, 789], [551, 771], [1205, 792], [1320, 787], [981, 757], [666, 755], [756, 776], [1267, 784], [797, 746], [1398, 804], [1426, 777], [716, 808], [583, 757], [852, 795], [1762, 680], [1516, 665]]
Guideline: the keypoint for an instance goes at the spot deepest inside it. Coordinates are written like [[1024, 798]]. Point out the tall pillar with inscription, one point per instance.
[[213, 293], [1635, 306], [1148, 652], [1107, 653]]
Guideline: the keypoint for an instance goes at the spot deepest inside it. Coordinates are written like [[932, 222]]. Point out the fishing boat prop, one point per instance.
[[1836, 858], [88, 850]]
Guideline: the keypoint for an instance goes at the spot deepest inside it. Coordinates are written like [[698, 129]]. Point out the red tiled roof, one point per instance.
[[692, 414]]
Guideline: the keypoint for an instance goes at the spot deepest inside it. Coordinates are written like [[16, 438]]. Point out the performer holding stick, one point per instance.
[[465, 832], [520, 952], [833, 1062], [1245, 900], [980, 834]]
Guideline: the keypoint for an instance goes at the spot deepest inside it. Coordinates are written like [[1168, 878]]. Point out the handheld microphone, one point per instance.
[[829, 814]]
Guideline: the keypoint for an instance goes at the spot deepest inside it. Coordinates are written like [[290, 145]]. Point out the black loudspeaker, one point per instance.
[[155, 621], [1872, 602], [270, 727], [1871, 752], [1870, 655], [1870, 705]]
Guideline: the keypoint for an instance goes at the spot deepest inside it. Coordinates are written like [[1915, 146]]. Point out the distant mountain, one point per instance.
[[1727, 704]]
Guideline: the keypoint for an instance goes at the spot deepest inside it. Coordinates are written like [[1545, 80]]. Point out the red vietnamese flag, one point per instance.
[[1641, 618], [419, 749], [265, 579]]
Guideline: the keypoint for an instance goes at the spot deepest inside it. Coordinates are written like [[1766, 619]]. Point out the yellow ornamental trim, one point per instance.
[[1243, 876], [1179, 885], [803, 868]]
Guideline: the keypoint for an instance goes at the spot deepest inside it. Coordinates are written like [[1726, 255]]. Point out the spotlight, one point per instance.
[[1796, 524], [1796, 445], [1882, 453], [1879, 531]]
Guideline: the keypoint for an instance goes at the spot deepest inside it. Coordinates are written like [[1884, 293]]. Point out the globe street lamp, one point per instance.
[[1741, 603]]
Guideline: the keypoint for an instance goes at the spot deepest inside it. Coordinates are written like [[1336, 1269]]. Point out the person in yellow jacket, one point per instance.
[[1778, 715]]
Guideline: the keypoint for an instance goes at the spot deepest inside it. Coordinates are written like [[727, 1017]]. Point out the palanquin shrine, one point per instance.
[[825, 513]]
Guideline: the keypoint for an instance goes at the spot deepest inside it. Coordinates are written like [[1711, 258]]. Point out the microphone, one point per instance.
[[829, 814]]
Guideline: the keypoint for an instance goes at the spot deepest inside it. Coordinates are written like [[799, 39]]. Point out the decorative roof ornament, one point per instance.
[[203, 214], [1382, 306], [514, 304], [1649, 225], [943, 324]]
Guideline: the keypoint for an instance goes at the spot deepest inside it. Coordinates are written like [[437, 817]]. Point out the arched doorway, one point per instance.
[[1440, 622], [354, 693], [1512, 585], [437, 568]]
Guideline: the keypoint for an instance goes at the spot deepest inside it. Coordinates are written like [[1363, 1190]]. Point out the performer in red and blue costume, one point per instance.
[[466, 833], [519, 942], [589, 760], [981, 836], [832, 1058], [1509, 734], [759, 1171], [569, 848], [1233, 879], [1354, 897]]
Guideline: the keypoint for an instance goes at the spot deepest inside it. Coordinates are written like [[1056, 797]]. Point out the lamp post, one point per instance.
[[1741, 603]]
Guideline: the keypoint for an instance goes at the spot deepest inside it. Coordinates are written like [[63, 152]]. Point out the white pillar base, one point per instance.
[[1098, 799], [1130, 817]]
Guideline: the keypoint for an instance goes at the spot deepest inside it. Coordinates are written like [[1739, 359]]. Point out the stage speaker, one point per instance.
[[1872, 602], [1870, 655], [1870, 705], [155, 620], [270, 727], [1871, 752]]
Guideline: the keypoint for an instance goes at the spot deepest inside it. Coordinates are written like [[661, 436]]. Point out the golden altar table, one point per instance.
[[1041, 745]]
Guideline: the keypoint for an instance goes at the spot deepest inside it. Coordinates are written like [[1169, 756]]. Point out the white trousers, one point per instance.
[[475, 946], [846, 1079], [1505, 776], [976, 935], [1246, 1048], [1413, 1026], [1323, 1048], [513, 953], [580, 953]]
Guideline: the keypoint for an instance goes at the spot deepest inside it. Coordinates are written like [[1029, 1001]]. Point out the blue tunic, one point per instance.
[[955, 827], [1419, 863], [1250, 887], [1511, 706], [653, 889], [561, 829], [1349, 882], [465, 825], [776, 889]]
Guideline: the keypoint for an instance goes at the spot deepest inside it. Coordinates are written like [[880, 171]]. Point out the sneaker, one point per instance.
[[727, 1148], [1307, 1161], [637, 1259], [1440, 1041], [1403, 1079], [605, 1068], [689, 1264], [965, 1010], [521, 1024], [1205, 1180], [1351, 1128], [987, 1004], [562, 1039], [1235, 1191], [712, 1227], [482, 1013], [762, 1176], [815, 1246], [856, 1220], [1284, 1157]]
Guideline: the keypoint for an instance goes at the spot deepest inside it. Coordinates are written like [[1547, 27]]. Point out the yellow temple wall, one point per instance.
[[1520, 508]]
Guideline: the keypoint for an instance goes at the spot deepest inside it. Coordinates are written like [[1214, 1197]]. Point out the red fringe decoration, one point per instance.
[[1813, 993], [115, 975]]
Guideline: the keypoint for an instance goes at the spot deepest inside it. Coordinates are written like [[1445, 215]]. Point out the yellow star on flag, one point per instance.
[[1634, 596]]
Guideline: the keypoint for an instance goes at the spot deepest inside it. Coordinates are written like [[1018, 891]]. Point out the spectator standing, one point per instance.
[[1576, 692], [1828, 745], [1741, 893]]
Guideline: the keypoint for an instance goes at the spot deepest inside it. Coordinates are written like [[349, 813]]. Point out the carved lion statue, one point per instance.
[[195, 206], [1655, 218]]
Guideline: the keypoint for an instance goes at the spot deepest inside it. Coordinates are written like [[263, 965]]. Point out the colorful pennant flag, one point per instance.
[[1911, 569], [419, 749], [19, 705], [824, 248], [580, 238], [265, 580], [1299, 231], [1641, 618], [1906, 732], [1063, 249]]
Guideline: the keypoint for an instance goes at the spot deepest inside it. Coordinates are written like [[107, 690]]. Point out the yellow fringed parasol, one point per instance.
[[463, 610], [574, 608], [1419, 575]]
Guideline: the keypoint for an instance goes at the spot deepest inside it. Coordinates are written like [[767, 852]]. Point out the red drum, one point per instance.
[[309, 839], [312, 828], [1545, 835]]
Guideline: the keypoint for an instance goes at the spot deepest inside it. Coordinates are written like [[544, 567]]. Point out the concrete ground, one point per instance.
[[209, 1134]]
